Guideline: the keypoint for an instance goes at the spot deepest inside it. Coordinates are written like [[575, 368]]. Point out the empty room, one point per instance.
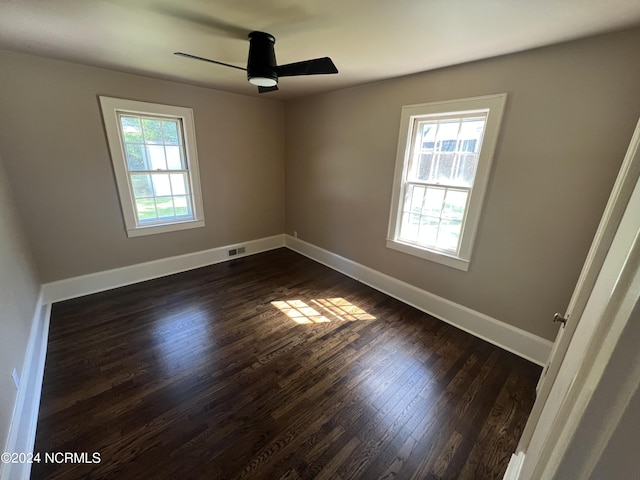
[[332, 240]]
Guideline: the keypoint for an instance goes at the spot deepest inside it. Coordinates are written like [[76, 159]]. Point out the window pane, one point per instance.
[[469, 145], [448, 146], [447, 135], [156, 155], [409, 227], [428, 134], [471, 134], [161, 185], [136, 157], [174, 158], [449, 235], [428, 231], [455, 204], [425, 162], [433, 202], [170, 129], [444, 162], [131, 129], [146, 209], [179, 184], [164, 206], [142, 186], [417, 196], [467, 169], [183, 206], [152, 130]]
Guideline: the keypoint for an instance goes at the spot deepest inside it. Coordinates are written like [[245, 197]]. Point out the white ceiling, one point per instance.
[[367, 40]]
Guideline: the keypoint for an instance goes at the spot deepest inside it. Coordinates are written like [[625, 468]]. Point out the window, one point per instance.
[[153, 151], [444, 158]]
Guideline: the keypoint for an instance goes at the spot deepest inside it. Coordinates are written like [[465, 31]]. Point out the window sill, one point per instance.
[[170, 227], [448, 260]]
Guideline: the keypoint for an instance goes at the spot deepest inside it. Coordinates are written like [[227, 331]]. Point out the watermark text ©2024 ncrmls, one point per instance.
[[50, 457]]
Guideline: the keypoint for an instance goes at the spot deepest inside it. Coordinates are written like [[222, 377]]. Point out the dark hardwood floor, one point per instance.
[[273, 367]]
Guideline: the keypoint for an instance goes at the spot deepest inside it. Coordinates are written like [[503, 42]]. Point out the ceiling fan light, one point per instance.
[[263, 81]]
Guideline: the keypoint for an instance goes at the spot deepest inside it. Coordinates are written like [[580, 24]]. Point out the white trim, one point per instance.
[[440, 257], [111, 107], [119, 277], [22, 432], [490, 105], [508, 337], [170, 227], [520, 342], [514, 467]]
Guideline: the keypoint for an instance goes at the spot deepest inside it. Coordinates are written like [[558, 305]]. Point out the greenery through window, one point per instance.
[[155, 161]]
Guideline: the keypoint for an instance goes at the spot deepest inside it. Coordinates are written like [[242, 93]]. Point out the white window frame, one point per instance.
[[111, 108], [493, 105]]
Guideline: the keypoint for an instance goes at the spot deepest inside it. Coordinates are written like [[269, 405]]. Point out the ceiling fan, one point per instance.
[[262, 69]]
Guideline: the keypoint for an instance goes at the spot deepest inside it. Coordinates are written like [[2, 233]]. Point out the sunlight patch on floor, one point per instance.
[[322, 310]]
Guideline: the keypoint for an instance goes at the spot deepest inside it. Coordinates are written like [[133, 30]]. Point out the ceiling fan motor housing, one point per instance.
[[262, 58], [262, 69]]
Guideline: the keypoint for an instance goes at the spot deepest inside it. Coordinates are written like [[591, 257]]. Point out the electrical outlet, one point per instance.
[[241, 250], [16, 378], [233, 251], [295, 234]]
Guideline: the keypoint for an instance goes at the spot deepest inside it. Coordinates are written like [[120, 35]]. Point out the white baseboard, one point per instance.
[[515, 340], [508, 337], [23, 426], [22, 432], [514, 467], [98, 282]]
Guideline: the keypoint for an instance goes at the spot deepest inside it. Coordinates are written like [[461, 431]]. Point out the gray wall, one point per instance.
[[569, 117], [19, 290], [570, 114], [56, 155]]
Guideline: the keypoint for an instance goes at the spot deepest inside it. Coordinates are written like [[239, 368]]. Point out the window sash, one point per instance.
[[439, 215], [139, 200], [154, 209], [447, 162], [457, 156]]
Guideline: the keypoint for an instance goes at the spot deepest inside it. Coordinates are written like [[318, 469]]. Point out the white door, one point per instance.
[[587, 302]]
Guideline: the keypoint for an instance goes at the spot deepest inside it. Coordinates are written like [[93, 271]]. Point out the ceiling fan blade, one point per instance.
[[317, 66], [195, 57], [267, 89], [262, 69]]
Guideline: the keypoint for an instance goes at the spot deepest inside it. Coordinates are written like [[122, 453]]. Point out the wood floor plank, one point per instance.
[[223, 373]]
